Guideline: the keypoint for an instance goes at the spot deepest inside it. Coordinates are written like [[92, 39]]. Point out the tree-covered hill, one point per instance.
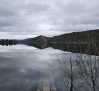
[[39, 39], [85, 36]]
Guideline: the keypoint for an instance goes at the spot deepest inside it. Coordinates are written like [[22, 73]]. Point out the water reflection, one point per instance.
[[21, 71], [39, 45], [8, 42], [85, 48], [21, 67], [15, 75], [88, 48]]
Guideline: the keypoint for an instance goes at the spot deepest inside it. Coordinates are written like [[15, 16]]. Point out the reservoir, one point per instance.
[[27, 68]]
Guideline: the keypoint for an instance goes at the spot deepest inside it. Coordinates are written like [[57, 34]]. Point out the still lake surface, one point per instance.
[[21, 67]]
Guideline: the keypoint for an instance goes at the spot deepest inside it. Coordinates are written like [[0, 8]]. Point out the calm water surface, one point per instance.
[[21, 67]]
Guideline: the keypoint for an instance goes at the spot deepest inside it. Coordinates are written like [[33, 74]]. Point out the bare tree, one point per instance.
[[88, 68], [68, 71]]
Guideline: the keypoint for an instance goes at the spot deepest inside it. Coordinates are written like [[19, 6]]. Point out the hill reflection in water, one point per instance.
[[92, 48]]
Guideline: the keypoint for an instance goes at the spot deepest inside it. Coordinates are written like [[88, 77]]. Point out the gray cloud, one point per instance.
[[42, 16], [34, 8]]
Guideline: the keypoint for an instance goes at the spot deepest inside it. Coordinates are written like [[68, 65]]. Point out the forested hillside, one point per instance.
[[85, 36]]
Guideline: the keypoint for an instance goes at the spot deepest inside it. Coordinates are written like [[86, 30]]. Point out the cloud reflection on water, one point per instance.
[[20, 70]]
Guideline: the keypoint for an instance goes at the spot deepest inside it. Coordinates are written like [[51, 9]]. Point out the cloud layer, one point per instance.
[[48, 17]]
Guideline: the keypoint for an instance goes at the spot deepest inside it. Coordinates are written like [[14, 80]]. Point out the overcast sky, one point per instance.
[[30, 18]]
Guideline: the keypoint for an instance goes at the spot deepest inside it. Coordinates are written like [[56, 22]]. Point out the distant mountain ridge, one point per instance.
[[24, 40], [85, 36]]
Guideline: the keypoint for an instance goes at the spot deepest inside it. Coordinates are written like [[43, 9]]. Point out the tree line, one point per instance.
[[8, 42]]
